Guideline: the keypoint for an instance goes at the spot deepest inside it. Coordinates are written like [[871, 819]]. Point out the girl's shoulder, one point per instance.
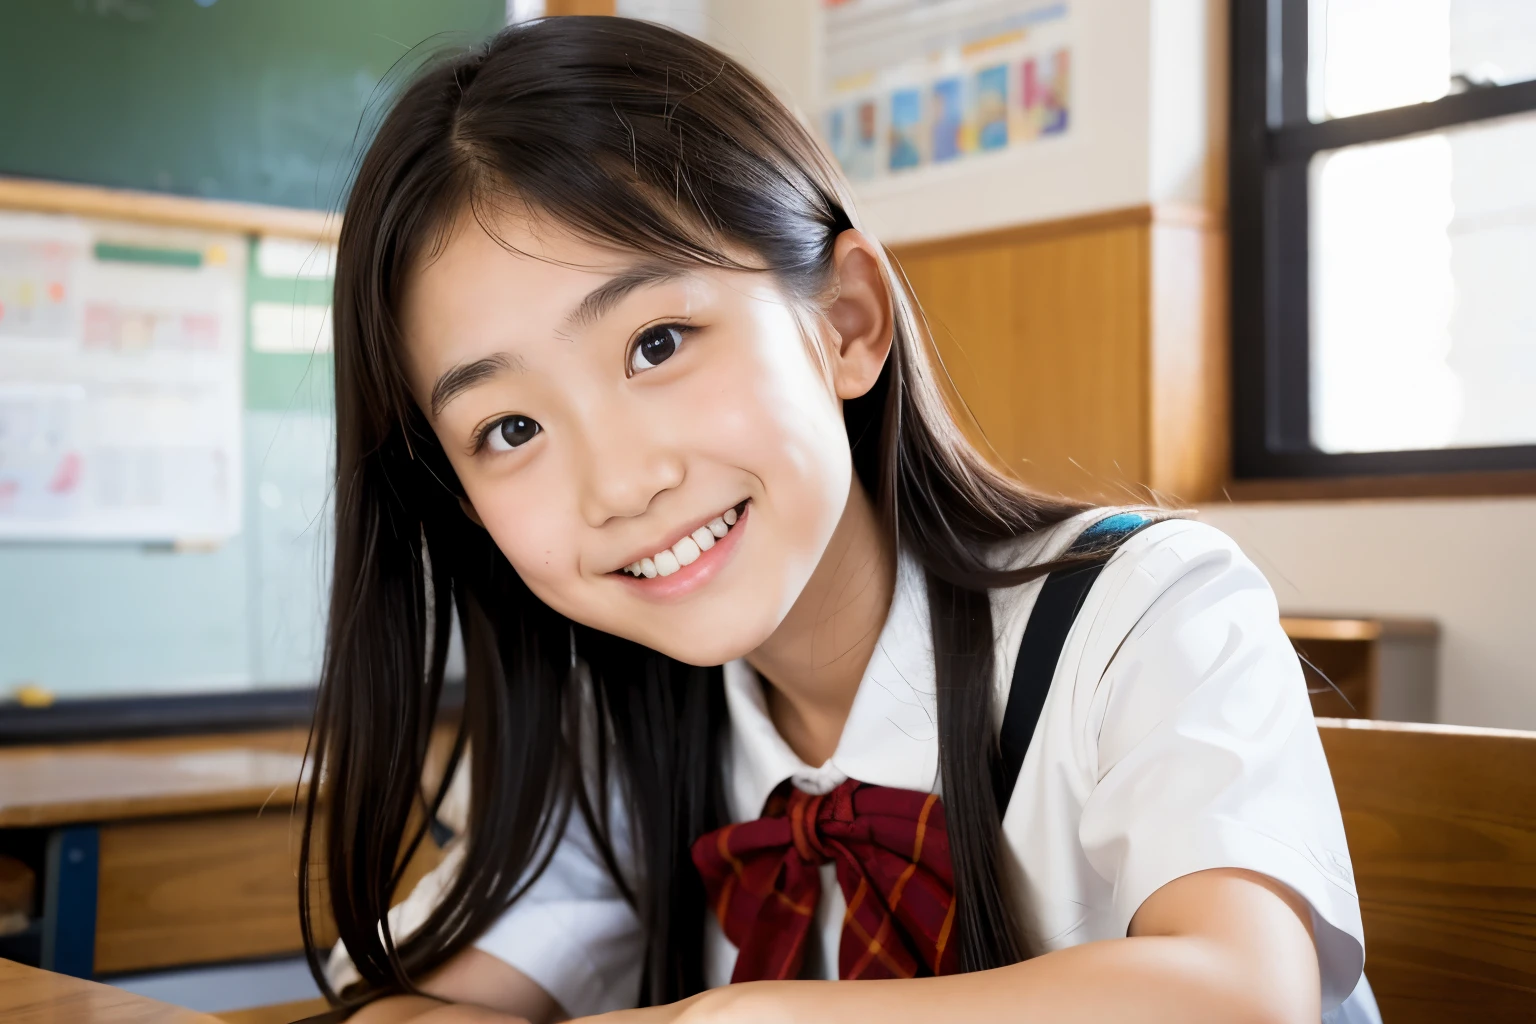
[[1169, 579], [1130, 533], [1176, 735]]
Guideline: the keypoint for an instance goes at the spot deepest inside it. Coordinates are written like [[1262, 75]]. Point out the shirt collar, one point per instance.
[[891, 737]]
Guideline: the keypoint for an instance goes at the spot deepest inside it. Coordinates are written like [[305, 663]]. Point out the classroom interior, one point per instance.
[[1267, 261]]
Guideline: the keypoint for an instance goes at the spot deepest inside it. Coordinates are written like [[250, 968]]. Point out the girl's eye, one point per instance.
[[510, 433], [655, 346]]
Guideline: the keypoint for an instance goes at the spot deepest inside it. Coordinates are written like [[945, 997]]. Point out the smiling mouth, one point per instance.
[[686, 550]]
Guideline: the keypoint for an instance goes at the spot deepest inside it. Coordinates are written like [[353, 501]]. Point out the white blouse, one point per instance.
[[1177, 736]]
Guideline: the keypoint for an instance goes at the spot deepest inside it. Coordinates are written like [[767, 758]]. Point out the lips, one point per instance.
[[686, 549]]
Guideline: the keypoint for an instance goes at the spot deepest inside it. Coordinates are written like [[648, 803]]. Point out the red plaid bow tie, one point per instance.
[[892, 857]]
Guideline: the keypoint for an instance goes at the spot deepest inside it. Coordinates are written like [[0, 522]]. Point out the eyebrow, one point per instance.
[[611, 292], [458, 379]]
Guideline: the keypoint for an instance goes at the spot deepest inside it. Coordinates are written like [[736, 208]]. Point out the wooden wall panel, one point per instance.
[[1441, 823], [1090, 351], [1042, 339], [554, 7]]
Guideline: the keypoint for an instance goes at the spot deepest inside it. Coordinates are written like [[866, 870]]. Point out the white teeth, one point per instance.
[[686, 550]]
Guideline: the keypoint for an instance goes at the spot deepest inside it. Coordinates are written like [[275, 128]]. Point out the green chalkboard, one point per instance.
[[260, 100]]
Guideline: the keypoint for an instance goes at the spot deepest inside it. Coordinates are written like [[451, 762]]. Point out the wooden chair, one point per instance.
[[1442, 831]]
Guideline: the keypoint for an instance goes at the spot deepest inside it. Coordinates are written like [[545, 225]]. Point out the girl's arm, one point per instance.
[[472, 988], [572, 930], [1223, 945]]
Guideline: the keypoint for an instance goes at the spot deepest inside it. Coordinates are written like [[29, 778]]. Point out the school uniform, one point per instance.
[[1175, 735]]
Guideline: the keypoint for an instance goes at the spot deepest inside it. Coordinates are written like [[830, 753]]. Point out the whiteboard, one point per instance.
[[121, 350]]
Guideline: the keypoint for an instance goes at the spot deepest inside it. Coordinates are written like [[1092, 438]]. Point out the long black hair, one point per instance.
[[644, 139]]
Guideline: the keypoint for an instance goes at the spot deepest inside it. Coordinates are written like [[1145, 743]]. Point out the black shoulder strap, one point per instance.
[[1056, 607]]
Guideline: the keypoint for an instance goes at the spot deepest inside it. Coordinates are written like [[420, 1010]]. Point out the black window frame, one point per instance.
[[1271, 143]]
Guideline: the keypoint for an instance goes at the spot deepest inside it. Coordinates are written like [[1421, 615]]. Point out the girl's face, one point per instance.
[[659, 453]]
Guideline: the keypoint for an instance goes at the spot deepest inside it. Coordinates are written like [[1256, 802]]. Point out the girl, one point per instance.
[[770, 677]]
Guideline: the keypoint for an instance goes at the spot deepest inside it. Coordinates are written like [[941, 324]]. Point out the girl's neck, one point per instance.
[[812, 664]]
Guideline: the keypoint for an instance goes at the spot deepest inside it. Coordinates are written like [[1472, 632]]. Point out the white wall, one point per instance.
[[691, 16], [779, 40], [1187, 103], [1102, 161], [1149, 110], [1470, 564], [1137, 67]]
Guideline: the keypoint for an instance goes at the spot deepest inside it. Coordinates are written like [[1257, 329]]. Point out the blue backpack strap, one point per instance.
[[1050, 621]]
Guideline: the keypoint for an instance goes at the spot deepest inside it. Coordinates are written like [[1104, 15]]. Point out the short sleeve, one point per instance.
[[572, 932], [1207, 754]]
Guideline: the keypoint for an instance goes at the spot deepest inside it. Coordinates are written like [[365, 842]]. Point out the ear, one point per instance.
[[860, 315], [469, 510]]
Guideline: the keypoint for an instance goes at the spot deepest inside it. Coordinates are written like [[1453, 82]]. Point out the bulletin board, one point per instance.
[[120, 381], [912, 85], [195, 346]]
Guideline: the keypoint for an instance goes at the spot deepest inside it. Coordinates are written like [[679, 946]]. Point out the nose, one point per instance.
[[624, 465]]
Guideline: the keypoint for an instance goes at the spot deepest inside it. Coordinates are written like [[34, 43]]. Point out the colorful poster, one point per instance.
[[37, 286], [990, 111], [40, 450], [906, 129], [1045, 91], [121, 353], [865, 155], [948, 119], [917, 83], [838, 132], [853, 133]]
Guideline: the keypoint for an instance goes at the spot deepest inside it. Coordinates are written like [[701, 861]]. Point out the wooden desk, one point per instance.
[[161, 853], [123, 779], [31, 996], [147, 850], [1384, 668]]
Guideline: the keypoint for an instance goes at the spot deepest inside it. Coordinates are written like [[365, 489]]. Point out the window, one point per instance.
[[1383, 205]]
